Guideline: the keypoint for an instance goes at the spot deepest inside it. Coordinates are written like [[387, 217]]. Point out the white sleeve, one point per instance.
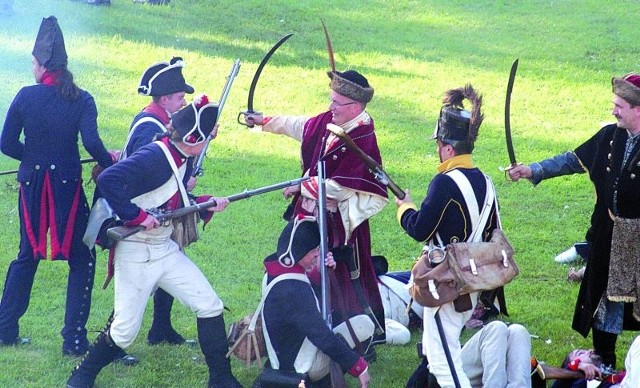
[[632, 366], [292, 126]]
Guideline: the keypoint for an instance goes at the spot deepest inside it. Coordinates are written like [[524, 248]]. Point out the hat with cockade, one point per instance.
[[299, 237], [628, 88], [164, 78], [195, 121], [49, 47], [456, 126]]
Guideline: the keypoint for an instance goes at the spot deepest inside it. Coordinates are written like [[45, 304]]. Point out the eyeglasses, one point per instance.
[[339, 104]]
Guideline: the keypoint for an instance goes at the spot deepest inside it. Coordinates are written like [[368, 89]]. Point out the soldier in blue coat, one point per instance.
[[51, 115], [166, 85]]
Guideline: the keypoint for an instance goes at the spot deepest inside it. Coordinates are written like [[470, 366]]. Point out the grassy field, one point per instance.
[[411, 51]]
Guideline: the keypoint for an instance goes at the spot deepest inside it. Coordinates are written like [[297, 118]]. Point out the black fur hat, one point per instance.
[[298, 238], [164, 78], [195, 121], [49, 47], [351, 84]]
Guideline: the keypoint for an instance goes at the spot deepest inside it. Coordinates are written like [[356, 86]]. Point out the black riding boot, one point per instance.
[[213, 343], [100, 354], [604, 345], [161, 328]]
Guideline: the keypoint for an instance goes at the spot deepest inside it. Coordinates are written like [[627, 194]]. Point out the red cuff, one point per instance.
[[573, 365], [142, 215], [358, 368], [265, 120], [205, 215]]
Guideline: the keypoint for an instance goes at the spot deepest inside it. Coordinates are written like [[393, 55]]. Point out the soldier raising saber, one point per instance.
[[353, 194]]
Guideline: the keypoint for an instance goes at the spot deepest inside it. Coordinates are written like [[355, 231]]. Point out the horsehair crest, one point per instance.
[[455, 97]]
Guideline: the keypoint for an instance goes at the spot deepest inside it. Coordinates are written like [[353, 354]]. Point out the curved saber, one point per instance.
[[507, 115], [256, 76]]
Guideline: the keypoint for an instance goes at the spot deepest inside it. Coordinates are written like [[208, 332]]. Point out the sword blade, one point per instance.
[[256, 76], [507, 114]]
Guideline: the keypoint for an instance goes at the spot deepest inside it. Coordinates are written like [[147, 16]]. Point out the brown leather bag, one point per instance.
[[467, 267]]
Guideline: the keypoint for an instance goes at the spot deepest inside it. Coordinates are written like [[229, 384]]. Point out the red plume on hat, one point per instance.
[[627, 87]]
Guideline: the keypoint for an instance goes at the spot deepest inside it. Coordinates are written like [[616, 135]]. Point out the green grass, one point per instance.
[[411, 51]]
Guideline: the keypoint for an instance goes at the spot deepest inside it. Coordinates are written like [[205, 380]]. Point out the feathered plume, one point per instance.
[[332, 62], [455, 97]]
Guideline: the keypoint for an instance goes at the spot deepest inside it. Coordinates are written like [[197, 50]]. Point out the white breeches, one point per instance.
[[141, 266]]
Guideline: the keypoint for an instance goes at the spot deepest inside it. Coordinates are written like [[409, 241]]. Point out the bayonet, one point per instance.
[[197, 166]]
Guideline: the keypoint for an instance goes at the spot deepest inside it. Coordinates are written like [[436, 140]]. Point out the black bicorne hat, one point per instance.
[[49, 47], [351, 84], [456, 126], [164, 78], [298, 238], [195, 121]]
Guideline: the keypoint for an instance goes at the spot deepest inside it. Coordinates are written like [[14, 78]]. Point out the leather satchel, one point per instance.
[[482, 266], [468, 267]]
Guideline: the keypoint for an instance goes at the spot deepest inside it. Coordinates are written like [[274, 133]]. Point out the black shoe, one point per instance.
[[170, 337], [126, 359], [16, 342]]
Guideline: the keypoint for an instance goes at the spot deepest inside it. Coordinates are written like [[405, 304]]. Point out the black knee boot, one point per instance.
[[213, 343], [100, 354], [604, 345], [161, 328]]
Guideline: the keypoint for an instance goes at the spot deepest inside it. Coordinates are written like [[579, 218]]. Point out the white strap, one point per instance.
[[467, 192], [176, 174], [286, 276], [478, 216], [252, 325], [123, 154]]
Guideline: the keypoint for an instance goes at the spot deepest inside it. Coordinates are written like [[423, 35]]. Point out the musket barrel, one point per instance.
[[197, 167], [121, 232]]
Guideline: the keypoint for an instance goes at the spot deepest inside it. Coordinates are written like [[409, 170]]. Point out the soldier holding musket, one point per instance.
[[153, 178]]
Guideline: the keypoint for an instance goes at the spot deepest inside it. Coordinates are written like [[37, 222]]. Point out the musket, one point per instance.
[[256, 76], [82, 161], [376, 169], [336, 373], [507, 115], [197, 166], [121, 232]]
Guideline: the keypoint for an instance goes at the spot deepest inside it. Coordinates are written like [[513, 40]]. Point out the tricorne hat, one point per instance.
[[49, 47], [195, 121], [351, 84], [299, 237], [164, 78], [456, 126], [628, 88]]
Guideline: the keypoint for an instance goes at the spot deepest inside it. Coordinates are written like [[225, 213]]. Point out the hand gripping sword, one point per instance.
[[256, 76]]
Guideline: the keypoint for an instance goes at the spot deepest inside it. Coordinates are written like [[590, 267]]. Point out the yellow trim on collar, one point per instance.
[[458, 161], [403, 208]]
